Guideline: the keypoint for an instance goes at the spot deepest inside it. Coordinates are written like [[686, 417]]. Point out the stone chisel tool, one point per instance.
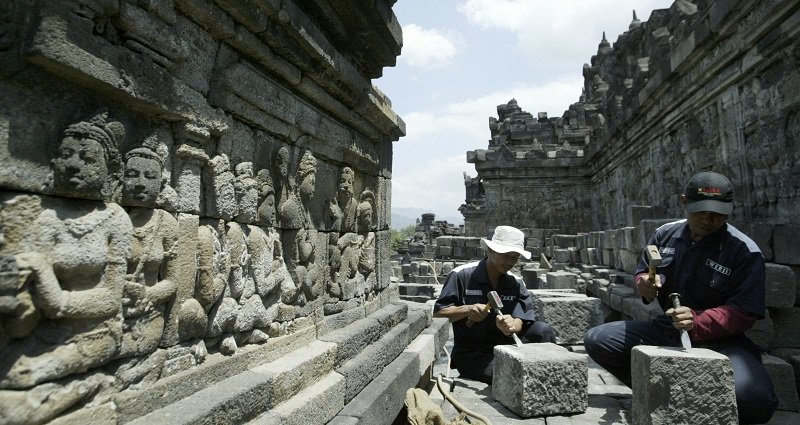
[[675, 298], [497, 304]]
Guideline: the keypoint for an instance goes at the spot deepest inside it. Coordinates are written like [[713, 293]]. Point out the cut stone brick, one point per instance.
[[561, 280], [676, 386], [570, 314], [540, 379], [780, 286], [782, 374]]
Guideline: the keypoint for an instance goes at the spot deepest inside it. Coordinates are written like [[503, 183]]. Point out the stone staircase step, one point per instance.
[[368, 363], [353, 338], [316, 404], [244, 396]]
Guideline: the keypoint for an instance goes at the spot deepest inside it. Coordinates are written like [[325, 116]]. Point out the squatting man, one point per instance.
[[464, 299], [719, 273]]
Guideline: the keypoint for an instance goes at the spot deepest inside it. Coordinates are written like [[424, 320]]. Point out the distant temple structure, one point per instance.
[[699, 86]]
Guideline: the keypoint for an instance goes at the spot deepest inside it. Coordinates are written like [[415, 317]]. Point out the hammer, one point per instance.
[[653, 261], [497, 304], [487, 309]]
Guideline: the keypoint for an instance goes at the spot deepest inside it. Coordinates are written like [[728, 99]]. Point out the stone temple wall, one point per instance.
[[181, 180], [701, 85]]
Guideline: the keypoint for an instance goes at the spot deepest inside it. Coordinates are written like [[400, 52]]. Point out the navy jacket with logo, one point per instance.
[[469, 284], [724, 268]]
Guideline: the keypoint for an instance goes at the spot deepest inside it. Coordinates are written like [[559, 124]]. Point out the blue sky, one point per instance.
[[462, 58]]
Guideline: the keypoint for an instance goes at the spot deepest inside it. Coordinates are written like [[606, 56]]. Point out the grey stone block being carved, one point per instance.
[[674, 385], [540, 379]]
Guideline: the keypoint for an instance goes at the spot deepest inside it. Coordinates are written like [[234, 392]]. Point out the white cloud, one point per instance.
[[549, 31], [436, 183], [429, 48], [431, 159]]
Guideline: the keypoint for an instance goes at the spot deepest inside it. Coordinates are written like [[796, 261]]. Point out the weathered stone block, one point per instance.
[[540, 379], [627, 260], [761, 332], [561, 255], [787, 250], [570, 314], [561, 280], [786, 322], [676, 386], [782, 374], [444, 251], [781, 286]]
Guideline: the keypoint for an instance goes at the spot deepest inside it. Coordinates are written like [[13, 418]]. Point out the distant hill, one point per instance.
[[402, 217]]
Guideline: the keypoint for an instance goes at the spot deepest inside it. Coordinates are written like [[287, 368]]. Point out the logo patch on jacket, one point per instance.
[[477, 292], [718, 267], [667, 250]]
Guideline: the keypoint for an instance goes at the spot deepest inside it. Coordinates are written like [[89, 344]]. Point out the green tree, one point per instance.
[[398, 236]]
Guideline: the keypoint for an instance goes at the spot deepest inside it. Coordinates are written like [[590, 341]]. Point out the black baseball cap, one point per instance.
[[709, 191]]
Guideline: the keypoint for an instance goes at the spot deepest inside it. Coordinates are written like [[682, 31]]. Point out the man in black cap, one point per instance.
[[720, 275], [464, 297]]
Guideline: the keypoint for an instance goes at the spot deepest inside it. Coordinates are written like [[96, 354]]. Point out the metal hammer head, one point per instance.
[[495, 301], [653, 256]]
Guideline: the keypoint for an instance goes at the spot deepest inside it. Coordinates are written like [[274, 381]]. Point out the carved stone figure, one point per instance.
[[290, 214], [76, 253], [213, 267], [366, 258], [342, 209], [150, 282], [300, 237], [246, 189], [222, 194]]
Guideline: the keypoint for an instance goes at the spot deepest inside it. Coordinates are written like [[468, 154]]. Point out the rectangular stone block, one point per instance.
[[676, 386], [782, 374], [531, 277], [540, 379], [786, 322], [561, 255], [561, 280], [781, 286], [786, 248], [570, 314]]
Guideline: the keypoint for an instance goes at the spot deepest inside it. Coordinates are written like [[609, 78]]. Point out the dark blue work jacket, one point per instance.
[[724, 268]]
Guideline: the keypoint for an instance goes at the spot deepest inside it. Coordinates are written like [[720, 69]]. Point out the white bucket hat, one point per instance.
[[507, 239]]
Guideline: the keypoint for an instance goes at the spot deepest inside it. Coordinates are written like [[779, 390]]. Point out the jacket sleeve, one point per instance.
[[720, 322], [452, 292]]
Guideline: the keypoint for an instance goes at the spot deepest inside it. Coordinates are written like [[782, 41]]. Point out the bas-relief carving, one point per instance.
[[109, 292], [300, 242], [342, 208], [75, 254], [150, 283]]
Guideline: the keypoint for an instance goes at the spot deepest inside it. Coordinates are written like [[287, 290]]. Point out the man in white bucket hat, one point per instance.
[[464, 299]]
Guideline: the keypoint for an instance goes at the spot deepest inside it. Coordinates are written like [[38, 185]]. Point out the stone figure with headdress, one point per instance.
[[151, 280], [75, 254]]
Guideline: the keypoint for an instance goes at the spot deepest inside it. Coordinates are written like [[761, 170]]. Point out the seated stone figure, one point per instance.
[[76, 253], [150, 283]]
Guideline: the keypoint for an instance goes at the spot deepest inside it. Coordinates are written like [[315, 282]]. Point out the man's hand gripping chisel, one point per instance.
[[497, 304], [675, 298]]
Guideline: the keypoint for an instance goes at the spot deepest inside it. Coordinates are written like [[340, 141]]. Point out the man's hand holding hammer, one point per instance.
[[648, 284]]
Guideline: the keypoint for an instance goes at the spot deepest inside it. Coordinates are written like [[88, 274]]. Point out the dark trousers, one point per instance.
[[480, 365], [610, 346]]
